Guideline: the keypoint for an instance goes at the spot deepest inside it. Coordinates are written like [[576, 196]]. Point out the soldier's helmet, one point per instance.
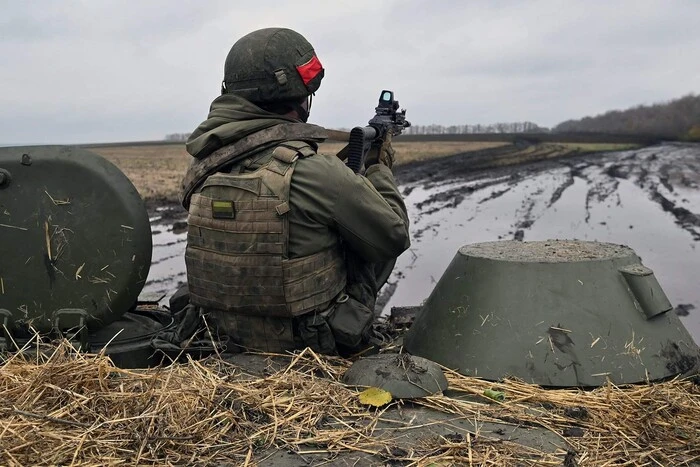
[[272, 65]]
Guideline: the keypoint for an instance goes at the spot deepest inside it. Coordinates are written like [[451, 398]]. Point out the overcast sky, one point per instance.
[[102, 71]]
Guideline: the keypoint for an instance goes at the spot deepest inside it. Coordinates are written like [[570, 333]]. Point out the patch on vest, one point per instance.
[[222, 209]]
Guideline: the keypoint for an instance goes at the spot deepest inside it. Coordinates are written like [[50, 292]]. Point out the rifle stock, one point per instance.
[[360, 141]]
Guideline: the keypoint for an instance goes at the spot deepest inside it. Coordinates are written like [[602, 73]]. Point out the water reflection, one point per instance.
[[168, 260]]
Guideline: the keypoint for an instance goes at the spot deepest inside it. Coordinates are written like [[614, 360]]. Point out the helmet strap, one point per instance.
[[302, 112]]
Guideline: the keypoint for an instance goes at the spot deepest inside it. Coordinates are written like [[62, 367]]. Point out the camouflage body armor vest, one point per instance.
[[237, 254]]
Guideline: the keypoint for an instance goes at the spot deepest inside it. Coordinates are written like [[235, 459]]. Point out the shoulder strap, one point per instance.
[[278, 172], [290, 151], [200, 169]]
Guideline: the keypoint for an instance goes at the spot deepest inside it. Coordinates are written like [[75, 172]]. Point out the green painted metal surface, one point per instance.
[[74, 234], [554, 313], [403, 375]]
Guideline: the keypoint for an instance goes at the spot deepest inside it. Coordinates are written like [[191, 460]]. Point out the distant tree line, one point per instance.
[[677, 119], [512, 127], [182, 137]]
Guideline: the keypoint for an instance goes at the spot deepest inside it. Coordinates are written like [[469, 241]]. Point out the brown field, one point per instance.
[[418, 151], [600, 147], [156, 170]]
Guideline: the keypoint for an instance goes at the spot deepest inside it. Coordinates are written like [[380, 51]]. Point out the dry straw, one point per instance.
[[72, 409]]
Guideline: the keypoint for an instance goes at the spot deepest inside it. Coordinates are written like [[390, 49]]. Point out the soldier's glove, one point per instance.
[[381, 152]]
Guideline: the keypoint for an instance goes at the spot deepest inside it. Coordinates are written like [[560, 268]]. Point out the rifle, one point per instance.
[[387, 119]]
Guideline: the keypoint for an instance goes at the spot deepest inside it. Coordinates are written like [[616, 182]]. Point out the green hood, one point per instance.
[[230, 119]]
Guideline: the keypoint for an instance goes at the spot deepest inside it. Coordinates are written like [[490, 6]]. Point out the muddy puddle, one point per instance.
[[168, 258], [648, 199]]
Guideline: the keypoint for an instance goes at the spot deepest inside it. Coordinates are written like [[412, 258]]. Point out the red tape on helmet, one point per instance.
[[310, 69]]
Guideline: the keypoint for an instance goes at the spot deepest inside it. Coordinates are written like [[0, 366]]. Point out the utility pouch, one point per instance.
[[350, 321], [315, 333]]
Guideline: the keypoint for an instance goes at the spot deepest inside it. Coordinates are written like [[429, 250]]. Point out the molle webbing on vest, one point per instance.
[[313, 280], [257, 284], [239, 262]]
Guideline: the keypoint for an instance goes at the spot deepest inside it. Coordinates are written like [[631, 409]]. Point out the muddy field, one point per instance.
[[295, 410], [157, 169], [648, 199]]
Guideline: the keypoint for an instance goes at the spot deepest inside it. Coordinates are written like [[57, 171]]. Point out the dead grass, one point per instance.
[[157, 170], [80, 410]]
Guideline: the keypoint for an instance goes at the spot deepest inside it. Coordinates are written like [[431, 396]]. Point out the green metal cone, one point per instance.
[[554, 313]]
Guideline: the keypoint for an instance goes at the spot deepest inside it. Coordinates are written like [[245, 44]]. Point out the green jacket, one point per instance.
[[328, 201]]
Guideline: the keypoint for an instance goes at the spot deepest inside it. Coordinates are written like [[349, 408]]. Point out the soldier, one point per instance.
[[286, 248]]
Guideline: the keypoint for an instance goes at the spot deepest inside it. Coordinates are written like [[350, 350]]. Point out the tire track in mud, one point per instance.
[[654, 171], [650, 181], [600, 172], [599, 192], [687, 220], [561, 189], [454, 197]]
